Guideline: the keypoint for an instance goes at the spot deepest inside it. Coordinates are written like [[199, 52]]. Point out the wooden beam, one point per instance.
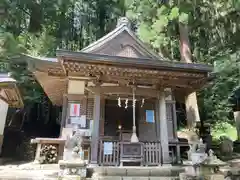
[[4, 99], [64, 69], [75, 97], [122, 90]]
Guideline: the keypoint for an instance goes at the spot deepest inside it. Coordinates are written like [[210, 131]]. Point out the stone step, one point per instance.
[[137, 171], [135, 178]]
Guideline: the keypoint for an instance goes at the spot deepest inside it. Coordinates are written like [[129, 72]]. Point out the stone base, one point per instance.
[[72, 168], [234, 163], [214, 177], [72, 177], [185, 176]]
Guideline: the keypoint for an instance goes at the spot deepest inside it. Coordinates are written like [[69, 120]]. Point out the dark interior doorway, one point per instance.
[[116, 116]]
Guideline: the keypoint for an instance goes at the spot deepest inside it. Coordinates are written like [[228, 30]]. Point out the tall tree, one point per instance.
[[192, 113], [212, 29]]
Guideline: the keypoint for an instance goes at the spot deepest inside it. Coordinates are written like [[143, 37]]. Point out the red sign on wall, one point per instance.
[[74, 110]]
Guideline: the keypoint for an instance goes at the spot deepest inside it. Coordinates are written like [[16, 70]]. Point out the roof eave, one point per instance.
[[136, 62]]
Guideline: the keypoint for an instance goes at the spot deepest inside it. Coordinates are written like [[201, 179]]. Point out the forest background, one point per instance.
[[39, 27]]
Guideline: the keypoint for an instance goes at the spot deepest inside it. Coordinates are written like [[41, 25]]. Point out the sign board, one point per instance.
[[84, 132], [107, 148], [81, 121], [74, 110], [75, 120], [150, 116]]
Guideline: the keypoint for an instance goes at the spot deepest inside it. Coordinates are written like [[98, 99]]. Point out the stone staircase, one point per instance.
[[135, 173]]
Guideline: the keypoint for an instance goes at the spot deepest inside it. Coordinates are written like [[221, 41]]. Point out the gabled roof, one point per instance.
[[5, 78], [122, 29], [145, 63], [9, 91]]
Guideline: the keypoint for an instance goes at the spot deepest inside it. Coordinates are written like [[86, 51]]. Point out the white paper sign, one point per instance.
[[108, 148], [75, 120], [84, 132], [83, 121], [91, 126]]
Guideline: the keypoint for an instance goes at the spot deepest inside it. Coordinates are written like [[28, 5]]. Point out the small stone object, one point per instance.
[[123, 21], [213, 160], [201, 147], [68, 168], [226, 146], [196, 147], [74, 144]]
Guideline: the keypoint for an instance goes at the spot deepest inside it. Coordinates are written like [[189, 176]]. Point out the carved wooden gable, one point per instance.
[[122, 45], [121, 42]]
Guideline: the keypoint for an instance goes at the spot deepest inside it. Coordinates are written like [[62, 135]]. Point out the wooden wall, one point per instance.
[[146, 131]]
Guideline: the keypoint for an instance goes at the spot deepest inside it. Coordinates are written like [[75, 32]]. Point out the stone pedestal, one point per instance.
[[185, 176], [70, 169]]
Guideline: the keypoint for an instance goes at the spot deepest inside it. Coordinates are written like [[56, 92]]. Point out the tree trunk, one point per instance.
[[192, 112], [35, 24]]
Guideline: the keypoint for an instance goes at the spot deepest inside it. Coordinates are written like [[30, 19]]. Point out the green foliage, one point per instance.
[[39, 27], [224, 129], [216, 99], [214, 30]]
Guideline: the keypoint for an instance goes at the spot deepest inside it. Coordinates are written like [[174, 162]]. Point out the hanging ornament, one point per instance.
[[126, 104], [142, 102], [119, 102], [134, 103]]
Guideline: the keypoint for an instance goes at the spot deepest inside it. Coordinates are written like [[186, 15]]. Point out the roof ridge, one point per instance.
[[111, 35]]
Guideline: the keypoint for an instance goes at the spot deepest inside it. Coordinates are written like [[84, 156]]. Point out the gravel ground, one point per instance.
[[29, 171]]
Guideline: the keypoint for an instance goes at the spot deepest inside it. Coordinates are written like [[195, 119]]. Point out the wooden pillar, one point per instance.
[[95, 132], [64, 112], [174, 119], [175, 131], [3, 112], [163, 127], [157, 119], [102, 116]]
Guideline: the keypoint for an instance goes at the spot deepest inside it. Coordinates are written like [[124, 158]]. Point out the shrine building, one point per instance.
[[121, 95], [9, 97]]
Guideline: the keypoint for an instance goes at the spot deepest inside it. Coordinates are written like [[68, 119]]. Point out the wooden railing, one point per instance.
[[151, 153], [109, 158]]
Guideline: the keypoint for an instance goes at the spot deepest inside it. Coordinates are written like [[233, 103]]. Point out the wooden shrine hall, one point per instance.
[[9, 97], [121, 95]]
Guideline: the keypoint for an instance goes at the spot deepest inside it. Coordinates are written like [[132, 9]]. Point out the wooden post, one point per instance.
[[175, 130], [174, 119], [157, 122], [3, 112], [134, 137], [64, 113], [95, 132], [163, 127], [38, 151]]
